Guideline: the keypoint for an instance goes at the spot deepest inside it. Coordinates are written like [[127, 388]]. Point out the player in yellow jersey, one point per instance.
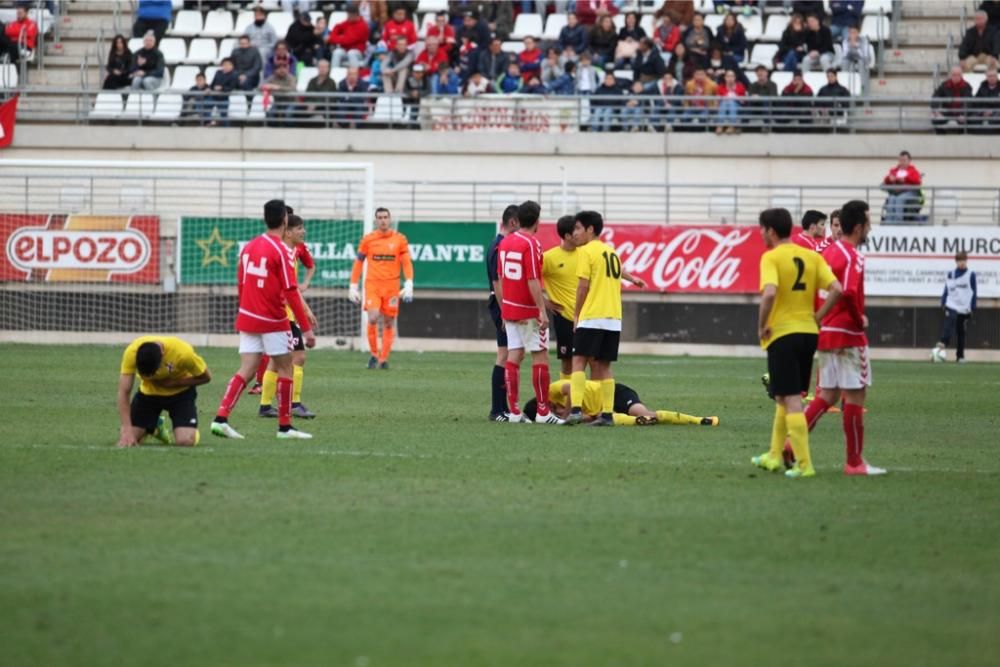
[[559, 276], [597, 322], [788, 328], [628, 407], [294, 238], [169, 369]]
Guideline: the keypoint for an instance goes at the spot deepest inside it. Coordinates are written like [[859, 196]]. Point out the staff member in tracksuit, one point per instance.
[[959, 302]]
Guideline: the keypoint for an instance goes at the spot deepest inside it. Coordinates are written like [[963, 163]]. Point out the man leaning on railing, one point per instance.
[[903, 194]]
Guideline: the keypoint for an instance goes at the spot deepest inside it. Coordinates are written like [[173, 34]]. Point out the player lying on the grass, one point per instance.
[[295, 235], [628, 407], [266, 284], [169, 370]]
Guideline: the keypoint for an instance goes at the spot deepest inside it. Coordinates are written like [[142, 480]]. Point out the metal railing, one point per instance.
[[497, 113]]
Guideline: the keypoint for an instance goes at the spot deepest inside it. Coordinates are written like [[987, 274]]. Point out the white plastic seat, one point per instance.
[[218, 23], [238, 106], [781, 79], [878, 7], [432, 6], [776, 24], [875, 28], [256, 111], [851, 81], [243, 21], [135, 44], [753, 27], [426, 22], [173, 49], [713, 21], [8, 76], [139, 105], [619, 21], [624, 74], [512, 47], [553, 26], [527, 25], [338, 74], [305, 76], [226, 47], [107, 105], [270, 5], [168, 107], [388, 109], [203, 51], [210, 73], [646, 23], [187, 23], [814, 80], [317, 15], [183, 77], [974, 79], [763, 54], [335, 18], [281, 22]]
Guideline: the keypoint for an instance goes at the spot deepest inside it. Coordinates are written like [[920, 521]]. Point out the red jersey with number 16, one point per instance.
[[520, 261], [265, 275], [843, 326]]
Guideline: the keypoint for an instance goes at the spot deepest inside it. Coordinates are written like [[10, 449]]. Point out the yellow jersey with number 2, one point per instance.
[[797, 273], [599, 264]]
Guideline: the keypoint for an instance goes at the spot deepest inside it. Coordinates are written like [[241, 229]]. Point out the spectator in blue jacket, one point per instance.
[[573, 35], [445, 82], [511, 81], [843, 15], [225, 81], [152, 15], [603, 108]]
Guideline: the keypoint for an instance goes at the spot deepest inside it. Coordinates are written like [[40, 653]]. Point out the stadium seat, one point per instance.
[[974, 79], [646, 23], [317, 15], [168, 107], [238, 107], [875, 28], [527, 25], [512, 47], [851, 81], [281, 22], [782, 79], [336, 17], [624, 74], [135, 44], [226, 47], [187, 23], [815, 80], [183, 77], [619, 21], [338, 74], [426, 22], [776, 25], [203, 51], [243, 21], [553, 26], [8, 76], [878, 7], [388, 109], [107, 106], [763, 54], [270, 5], [306, 75], [139, 105], [705, 6], [176, 4], [753, 27], [713, 21], [256, 110], [584, 110], [43, 18], [173, 49], [218, 23], [432, 6], [210, 73]]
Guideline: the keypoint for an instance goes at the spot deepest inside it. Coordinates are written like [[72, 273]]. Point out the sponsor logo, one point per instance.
[[115, 251], [215, 249], [441, 252]]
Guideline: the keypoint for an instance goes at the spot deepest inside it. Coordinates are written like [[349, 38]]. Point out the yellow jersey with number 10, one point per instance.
[[559, 274], [599, 264], [797, 273]]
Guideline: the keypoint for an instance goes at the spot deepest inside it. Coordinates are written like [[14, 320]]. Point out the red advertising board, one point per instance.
[[707, 259], [80, 248]]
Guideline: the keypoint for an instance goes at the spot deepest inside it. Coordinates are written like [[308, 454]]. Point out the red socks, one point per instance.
[[233, 390], [512, 374], [816, 409], [540, 383], [284, 401], [854, 432], [262, 367]]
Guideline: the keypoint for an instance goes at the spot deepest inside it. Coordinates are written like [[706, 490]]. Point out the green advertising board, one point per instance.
[[446, 255]]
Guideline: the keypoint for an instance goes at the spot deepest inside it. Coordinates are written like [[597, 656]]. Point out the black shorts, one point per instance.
[[498, 323], [181, 408], [564, 336], [596, 344], [297, 342], [625, 398], [789, 363]]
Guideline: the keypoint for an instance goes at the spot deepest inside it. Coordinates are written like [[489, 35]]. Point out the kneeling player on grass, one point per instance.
[[169, 370], [628, 408]]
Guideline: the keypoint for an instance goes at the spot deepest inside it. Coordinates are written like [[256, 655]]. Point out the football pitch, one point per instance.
[[412, 532]]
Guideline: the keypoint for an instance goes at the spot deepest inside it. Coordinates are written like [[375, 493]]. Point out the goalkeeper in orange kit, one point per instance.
[[386, 252]]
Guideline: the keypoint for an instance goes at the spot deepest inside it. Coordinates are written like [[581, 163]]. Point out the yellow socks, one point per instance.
[[623, 420], [297, 372], [607, 396], [798, 433], [779, 431], [578, 385], [676, 418], [269, 387]]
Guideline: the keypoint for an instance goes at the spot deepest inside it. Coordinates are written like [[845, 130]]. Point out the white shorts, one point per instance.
[[272, 344], [844, 368], [526, 335]]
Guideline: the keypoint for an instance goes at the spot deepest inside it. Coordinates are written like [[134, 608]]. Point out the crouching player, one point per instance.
[[169, 370], [628, 407]]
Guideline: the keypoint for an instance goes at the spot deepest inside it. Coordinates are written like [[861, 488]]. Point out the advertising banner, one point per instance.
[[502, 113], [80, 248], [449, 255]]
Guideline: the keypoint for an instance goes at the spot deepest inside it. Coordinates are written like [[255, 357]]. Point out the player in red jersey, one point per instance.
[[813, 230], [835, 235], [266, 282], [843, 345], [524, 316]]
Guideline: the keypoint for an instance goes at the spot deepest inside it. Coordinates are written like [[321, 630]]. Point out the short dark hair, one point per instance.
[[759, 68], [812, 217], [835, 214], [906, 153], [382, 209], [565, 225], [289, 210], [570, 67], [590, 219], [148, 358], [244, 36], [778, 219], [961, 256], [295, 221], [831, 70], [228, 60], [509, 213], [853, 214], [530, 409], [528, 213], [275, 212]]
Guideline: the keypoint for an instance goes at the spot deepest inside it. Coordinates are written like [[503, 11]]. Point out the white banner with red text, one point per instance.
[[502, 113]]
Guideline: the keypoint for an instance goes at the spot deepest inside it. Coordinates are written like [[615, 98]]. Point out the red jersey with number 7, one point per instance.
[[265, 275], [520, 261]]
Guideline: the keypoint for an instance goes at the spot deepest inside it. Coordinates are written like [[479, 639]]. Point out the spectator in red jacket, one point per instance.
[[432, 55], [948, 106], [399, 26], [530, 59], [349, 39], [444, 32], [21, 21], [588, 11], [731, 94], [797, 103], [667, 33], [902, 185]]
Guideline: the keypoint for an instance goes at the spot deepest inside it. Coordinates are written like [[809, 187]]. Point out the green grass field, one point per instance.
[[413, 532]]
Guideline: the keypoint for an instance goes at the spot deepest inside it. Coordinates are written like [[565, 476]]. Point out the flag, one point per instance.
[[7, 112]]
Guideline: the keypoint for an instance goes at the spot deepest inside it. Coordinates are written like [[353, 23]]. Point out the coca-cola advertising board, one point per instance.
[[79, 248], [716, 259]]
